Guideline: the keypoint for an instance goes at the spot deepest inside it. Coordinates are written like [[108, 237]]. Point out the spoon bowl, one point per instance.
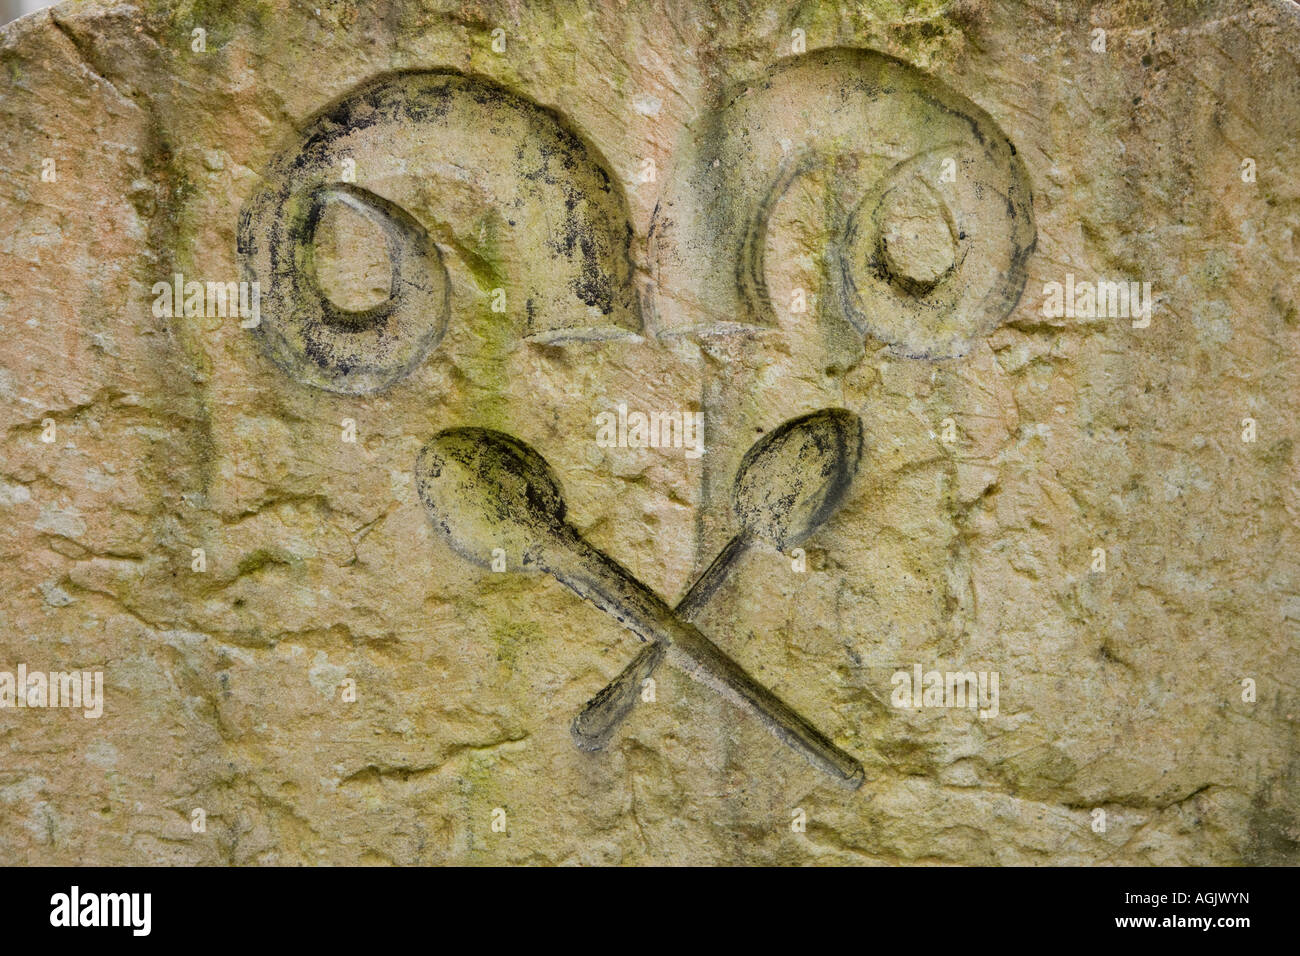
[[484, 490], [794, 478]]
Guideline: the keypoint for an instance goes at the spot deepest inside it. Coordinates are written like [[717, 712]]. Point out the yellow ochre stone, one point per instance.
[[1043, 601]]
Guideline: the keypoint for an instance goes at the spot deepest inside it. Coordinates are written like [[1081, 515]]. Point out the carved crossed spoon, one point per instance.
[[788, 484], [485, 490]]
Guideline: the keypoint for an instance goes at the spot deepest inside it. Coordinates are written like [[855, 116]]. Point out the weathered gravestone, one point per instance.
[[918, 380]]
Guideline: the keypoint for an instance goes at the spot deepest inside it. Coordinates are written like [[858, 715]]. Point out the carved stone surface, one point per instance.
[[737, 320]]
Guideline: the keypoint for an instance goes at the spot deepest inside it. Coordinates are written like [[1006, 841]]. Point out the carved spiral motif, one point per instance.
[[473, 189], [898, 198]]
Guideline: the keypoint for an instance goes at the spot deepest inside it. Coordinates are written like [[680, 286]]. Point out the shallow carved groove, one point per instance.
[[924, 217], [454, 170], [486, 491]]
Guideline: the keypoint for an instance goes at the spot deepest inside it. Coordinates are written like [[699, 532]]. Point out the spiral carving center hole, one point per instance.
[[917, 247], [351, 259]]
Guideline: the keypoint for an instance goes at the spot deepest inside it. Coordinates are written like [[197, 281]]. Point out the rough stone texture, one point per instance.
[[1120, 690]]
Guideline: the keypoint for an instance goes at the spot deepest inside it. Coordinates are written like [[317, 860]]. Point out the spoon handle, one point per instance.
[[596, 577], [594, 726], [714, 575], [596, 723]]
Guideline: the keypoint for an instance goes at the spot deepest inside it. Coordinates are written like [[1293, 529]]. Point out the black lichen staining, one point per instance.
[[489, 494], [566, 218], [485, 490], [788, 485], [356, 349], [856, 125], [796, 476]]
